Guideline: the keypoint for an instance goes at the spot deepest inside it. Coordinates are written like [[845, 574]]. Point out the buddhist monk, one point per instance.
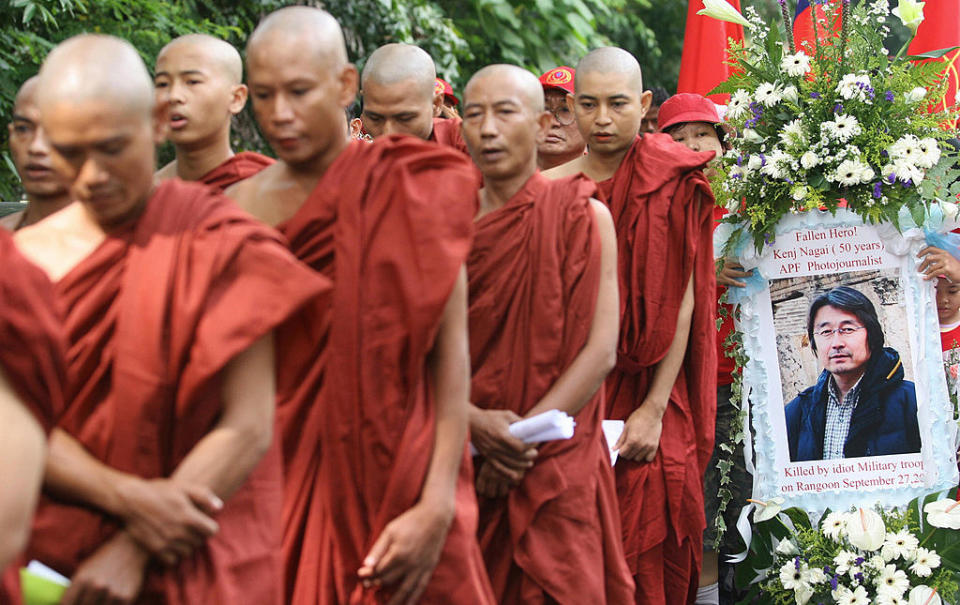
[[32, 374], [163, 481], [199, 78], [31, 157], [563, 142], [399, 96], [543, 336], [373, 392], [664, 383]]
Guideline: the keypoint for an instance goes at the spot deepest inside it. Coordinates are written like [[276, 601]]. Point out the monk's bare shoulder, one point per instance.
[[569, 169], [271, 195], [61, 241], [167, 172]]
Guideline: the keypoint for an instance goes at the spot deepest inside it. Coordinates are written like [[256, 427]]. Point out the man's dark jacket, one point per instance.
[[884, 421]]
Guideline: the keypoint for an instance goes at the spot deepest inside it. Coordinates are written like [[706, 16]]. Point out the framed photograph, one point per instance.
[[846, 382]]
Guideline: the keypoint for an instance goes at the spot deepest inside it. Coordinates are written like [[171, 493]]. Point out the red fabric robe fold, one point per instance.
[[446, 131], [390, 223], [664, 236], [239, 167], [534, 276], [152, 316], [32, 340]]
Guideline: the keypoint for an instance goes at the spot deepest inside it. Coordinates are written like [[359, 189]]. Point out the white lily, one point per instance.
[[723, 11], [910, 13], [766, 510], [865, 529], [943, 513]]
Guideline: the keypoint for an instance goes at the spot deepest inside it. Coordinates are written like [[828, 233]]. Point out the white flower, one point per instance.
[[866, 173], [865, 529], [906, 171], [899, 546], [722, 11], [916, 95], [929, 152], [879, 8], [843, 561], [787, 548], [834, 526], [850, 173], [858, 596], [802, 594], [893, 580], [924, 595], [910, 13], [815, 575], [925, 562], [796, 65], [842, 128], [798, 193], [766, 510], [777, 164], [736, 172], [738, 105], [751, 136], [889, 599], [791, 94], [943, 513], [792, 133], [809, 160], [768, 94], [791, 576], [852, 86], [906, 148], [754, 163], [877, 562]]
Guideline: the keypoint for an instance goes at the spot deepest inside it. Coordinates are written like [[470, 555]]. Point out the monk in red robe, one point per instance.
[[32, 375], [543, 336], [30, 153], [400, 96], [199, 77], [664, 383], [163, 483], [373, 392]]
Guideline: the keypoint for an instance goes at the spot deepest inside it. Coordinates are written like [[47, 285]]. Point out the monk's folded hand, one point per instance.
[[407, 551], [640, 438], [731, 273], [491, 483], [490, 434], [168, 518], [113, 574], [938, 262]]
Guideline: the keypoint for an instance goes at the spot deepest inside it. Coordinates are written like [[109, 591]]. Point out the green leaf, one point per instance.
[[933, 54]]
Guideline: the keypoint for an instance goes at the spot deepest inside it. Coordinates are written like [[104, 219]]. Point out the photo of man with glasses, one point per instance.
[[861, 405], [564, 141]]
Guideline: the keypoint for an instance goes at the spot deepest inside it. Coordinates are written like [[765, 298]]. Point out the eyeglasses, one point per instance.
[[844, 331], [562, 113]]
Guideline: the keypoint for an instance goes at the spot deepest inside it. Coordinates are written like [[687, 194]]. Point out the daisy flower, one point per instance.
[[796, 65]]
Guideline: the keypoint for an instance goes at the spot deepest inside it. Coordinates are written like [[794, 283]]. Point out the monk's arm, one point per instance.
[[22, 453], [407, 550], [641, 434], [574, 388]]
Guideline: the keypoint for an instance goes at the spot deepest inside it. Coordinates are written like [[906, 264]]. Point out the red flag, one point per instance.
[[940, 28], [828, 26], [702, 65]]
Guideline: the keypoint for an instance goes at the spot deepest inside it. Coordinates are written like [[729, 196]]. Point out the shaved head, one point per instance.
[[75, 71], [222, 55], [393, 63], [510, 79], [313, 26], [27, 95], [610, 60]]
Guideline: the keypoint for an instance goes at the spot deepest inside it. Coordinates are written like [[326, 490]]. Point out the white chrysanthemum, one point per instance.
[[850, 173], [738, 105], [796, 65], [893, 580], [791, 576], [810, 160], [852, 86], [925, 562], [798, 193], [842, 128], [834, 526], [889, 599], [815, 575], [858, 596], [877, 562], [906, 171], [768, 93], [792, 133], [906, 148], [902, 544], [754, 163], [777, 164], [929, 152], [843, 561], [916, 95], [791, 94]]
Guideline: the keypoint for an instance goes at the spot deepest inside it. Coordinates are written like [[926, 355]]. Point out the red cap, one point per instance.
[[560, 78], [687, 107], [441, 86]]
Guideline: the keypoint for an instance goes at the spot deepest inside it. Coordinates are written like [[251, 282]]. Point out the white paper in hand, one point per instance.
[[39, 569], [548, 426], [611, 431]]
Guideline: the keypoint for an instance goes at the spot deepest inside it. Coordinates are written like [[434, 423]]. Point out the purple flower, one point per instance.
[[889, 96], [907, 183], [859, 577], [859, 561], [814, 95], [796, 562], [891, 178], [763, 160], [884, 153], [877, 191], [838, 108], [740, 160], [833, 582]]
